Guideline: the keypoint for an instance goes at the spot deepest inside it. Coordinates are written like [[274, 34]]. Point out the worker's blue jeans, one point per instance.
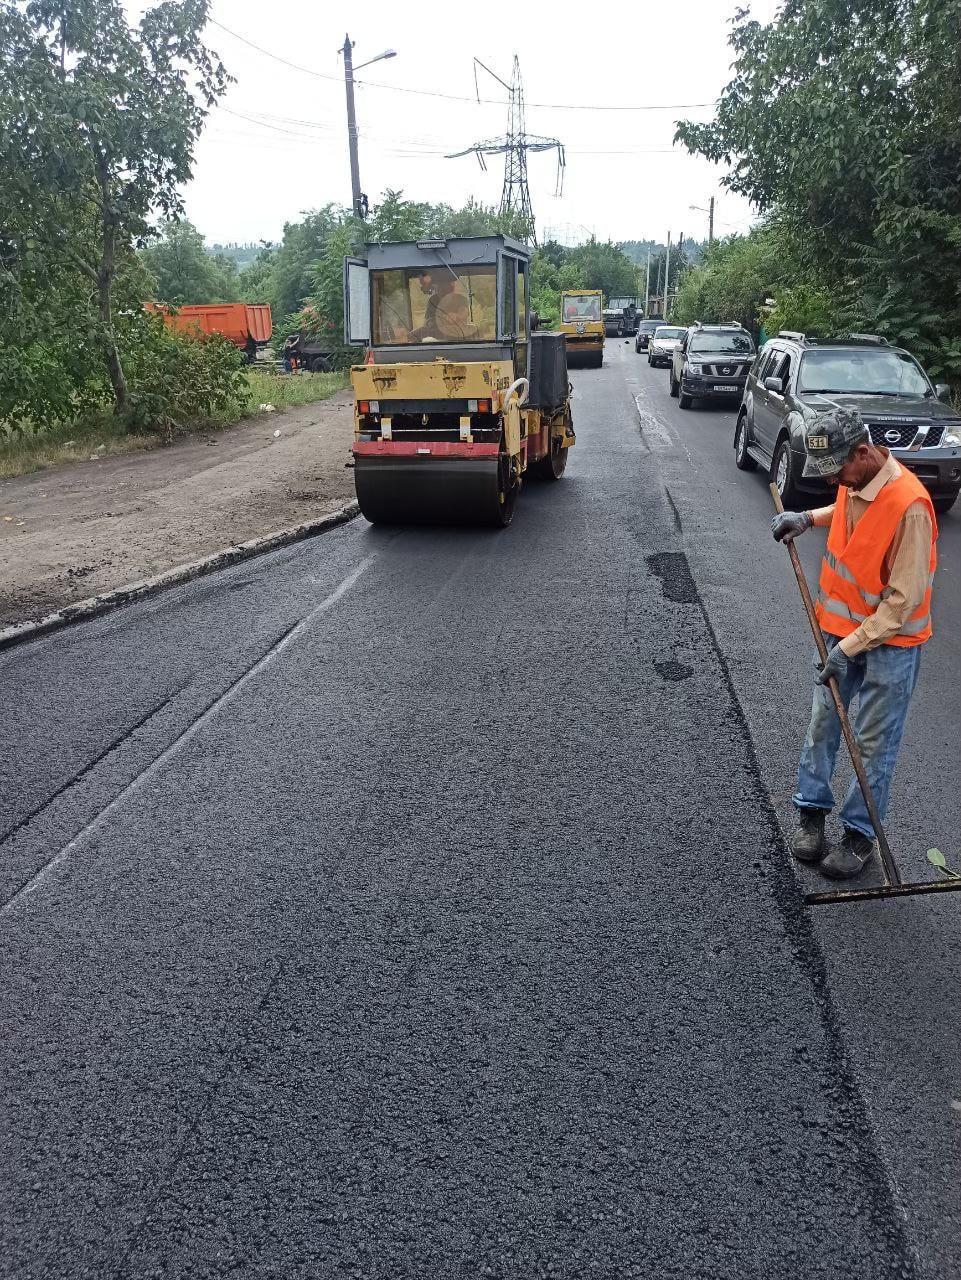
[[883, 681]]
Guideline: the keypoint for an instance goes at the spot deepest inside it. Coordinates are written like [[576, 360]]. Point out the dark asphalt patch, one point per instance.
[[675, 574], [672, 670]]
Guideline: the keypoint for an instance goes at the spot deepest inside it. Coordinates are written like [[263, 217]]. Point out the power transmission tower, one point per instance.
[[516, 195]]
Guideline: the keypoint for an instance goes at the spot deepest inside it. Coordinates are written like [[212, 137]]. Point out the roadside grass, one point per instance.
[[60, 443], [289, 390]]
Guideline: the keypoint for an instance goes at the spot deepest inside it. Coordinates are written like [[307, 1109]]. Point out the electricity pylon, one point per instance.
[[516, 195]]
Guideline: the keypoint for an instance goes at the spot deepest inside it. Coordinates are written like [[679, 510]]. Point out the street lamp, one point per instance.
[[358, 199], [710, 218]]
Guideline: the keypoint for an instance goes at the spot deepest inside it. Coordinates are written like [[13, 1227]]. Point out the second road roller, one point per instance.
[[458, 401]]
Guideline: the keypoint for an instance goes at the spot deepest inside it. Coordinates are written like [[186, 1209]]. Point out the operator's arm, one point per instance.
[[822, 516], [909, 559]]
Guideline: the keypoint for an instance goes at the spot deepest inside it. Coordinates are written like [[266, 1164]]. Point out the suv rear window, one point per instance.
[[871, 372]]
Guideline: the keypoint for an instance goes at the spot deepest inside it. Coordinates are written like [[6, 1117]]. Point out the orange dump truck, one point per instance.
[[247, 325]]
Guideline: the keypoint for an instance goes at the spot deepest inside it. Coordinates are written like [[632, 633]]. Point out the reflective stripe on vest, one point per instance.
[[852, 584], [848, 576]]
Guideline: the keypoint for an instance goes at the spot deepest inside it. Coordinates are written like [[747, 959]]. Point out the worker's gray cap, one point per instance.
[[829, 440]]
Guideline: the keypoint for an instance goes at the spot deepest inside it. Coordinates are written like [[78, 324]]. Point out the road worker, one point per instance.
[[874, 609]]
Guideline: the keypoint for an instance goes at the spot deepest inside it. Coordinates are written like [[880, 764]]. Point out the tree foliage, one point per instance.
[[842, 124], [184, 272], [98, 121]]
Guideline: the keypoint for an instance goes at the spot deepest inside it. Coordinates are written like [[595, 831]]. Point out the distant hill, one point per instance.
[[242, 254], [637, 250]]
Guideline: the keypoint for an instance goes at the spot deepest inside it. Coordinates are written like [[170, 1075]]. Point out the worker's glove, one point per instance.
[[786, 525], [836, 666]]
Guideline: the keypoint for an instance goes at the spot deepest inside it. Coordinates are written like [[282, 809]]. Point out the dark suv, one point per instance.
[[711, 363], [795, 377], [645, 329]]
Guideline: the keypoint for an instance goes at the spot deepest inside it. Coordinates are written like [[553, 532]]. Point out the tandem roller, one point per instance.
[[458, 401]]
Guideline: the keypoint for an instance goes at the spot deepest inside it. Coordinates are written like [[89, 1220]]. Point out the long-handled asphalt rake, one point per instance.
[[894, 886]]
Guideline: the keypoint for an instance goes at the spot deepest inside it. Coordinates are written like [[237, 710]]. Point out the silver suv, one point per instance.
[[711, 363], [794, 378]]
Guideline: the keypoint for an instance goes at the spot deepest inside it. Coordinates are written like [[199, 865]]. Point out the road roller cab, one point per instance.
[[582, 320], [458, 401]]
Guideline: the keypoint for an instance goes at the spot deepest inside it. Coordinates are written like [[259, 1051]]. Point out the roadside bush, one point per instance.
[[177, 381], [806, 308]]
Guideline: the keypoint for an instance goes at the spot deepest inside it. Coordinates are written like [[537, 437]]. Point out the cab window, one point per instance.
[[457, 304]]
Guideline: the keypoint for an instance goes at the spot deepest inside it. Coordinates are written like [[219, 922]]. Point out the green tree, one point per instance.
[[298, 254], [98, 121], [735, 278], [842, 121], [184, 272], [257, 281], [605, 267]]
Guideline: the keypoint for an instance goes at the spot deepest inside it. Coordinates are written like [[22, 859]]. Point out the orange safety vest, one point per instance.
[[851, 583]]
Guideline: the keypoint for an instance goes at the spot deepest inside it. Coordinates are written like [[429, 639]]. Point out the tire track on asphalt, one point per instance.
[[92, 764], [222, 700]]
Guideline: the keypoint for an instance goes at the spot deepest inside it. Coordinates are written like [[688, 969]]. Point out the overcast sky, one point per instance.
[[276, 146]]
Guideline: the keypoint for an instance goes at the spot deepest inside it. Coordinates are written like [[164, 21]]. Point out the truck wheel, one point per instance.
[[684, 400], [782, 473], [675, 387], [742, 459], [320, 364], [944, 502]]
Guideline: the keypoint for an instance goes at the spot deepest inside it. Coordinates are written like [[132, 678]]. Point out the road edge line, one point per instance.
[[95, 606]]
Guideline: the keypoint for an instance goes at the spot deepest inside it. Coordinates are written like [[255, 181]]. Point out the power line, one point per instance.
[[454, 97], [411, 146]]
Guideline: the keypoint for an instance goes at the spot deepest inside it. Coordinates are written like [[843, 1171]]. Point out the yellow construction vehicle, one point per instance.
[[458, 399], [582, 320]]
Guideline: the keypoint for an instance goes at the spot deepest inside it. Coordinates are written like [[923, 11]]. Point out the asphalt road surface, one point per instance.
[[414, 904]]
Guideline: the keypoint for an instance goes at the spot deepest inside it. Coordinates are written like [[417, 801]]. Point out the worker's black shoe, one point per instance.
[[808, 844], [850, 857]]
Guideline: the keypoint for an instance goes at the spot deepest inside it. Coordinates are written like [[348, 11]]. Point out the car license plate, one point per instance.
[[725, 388]]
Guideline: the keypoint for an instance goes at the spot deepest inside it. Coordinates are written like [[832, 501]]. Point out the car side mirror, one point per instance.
[[774, 384], [943, 391]]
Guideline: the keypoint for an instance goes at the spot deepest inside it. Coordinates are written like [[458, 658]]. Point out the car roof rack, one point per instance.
[[792, 334], [869, 337]]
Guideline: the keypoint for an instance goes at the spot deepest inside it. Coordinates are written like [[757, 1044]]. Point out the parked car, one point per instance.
[[794, 378], [645, 329], [711, 362], [662, 343]]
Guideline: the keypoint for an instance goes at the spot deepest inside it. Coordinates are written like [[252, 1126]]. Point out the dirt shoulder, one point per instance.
[[78, 530]]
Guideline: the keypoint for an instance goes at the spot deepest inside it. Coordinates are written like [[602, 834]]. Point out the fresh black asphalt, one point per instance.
[[412, 904]]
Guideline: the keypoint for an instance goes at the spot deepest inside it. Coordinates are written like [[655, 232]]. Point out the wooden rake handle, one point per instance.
[[891, 872]]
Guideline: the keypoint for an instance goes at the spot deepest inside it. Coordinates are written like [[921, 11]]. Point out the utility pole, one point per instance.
[[647, 284], [710, 222], [667, 278], [357, 196]]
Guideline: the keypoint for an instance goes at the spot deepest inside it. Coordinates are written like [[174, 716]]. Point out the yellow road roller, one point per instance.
[[458, 401], [582, 320]]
